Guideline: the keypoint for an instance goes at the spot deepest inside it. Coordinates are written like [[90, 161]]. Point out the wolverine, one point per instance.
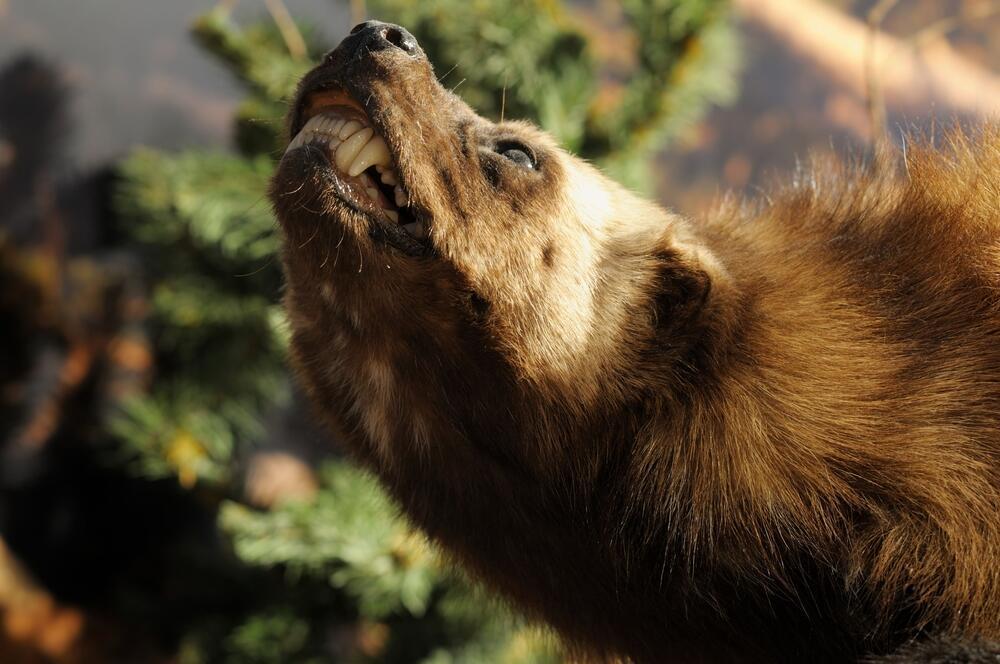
[[770, 435]]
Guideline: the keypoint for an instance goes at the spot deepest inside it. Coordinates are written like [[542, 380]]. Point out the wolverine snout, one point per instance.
[[340, 128]]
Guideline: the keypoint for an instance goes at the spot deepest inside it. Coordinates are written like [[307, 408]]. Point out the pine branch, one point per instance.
[[258, 54], [686, 62], [214, 201], [350, 536]]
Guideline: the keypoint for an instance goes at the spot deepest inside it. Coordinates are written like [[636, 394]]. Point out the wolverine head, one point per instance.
[[436, 257], [407, 213]]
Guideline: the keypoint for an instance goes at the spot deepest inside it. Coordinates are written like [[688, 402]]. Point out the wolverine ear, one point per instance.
[[683, 284]]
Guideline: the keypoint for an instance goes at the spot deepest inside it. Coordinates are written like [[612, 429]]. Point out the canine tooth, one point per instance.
[[374, 152], [349, 129], [350, 148], [402, 200], [392, 214], [372, 192], [389, 176]]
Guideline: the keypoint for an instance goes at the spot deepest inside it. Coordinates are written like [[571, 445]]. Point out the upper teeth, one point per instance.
[[354, 146]]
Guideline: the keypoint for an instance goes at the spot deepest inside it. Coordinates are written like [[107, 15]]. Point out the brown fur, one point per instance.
[[772, 435]]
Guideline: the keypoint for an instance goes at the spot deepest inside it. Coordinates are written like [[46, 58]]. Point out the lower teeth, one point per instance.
[[416, 229]]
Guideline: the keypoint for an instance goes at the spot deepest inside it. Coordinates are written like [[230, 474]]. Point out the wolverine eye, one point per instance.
[[518, 153]]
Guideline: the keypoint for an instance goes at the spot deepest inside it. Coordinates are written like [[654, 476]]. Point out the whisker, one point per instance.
[[503, 96], [311, 237], [267, 263], [339, 242], [445, 75], [296, 190]]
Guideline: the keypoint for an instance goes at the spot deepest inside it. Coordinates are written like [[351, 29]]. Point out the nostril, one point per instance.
[[393, 36], [400, 39], [359, 27]]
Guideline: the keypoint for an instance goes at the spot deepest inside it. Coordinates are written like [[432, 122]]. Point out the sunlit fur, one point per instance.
[[768, 435]]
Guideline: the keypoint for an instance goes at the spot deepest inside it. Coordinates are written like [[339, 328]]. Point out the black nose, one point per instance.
[[376, 36]]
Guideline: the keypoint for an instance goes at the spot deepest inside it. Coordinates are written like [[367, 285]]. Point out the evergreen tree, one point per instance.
[[347, 578]]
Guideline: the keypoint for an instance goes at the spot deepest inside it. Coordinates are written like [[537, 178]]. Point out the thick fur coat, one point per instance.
[[768, 435]]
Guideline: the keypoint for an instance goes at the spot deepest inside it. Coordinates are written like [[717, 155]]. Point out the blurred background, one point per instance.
[[164, 496]]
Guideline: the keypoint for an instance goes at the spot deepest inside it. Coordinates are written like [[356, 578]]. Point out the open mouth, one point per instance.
[[360, 161]]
